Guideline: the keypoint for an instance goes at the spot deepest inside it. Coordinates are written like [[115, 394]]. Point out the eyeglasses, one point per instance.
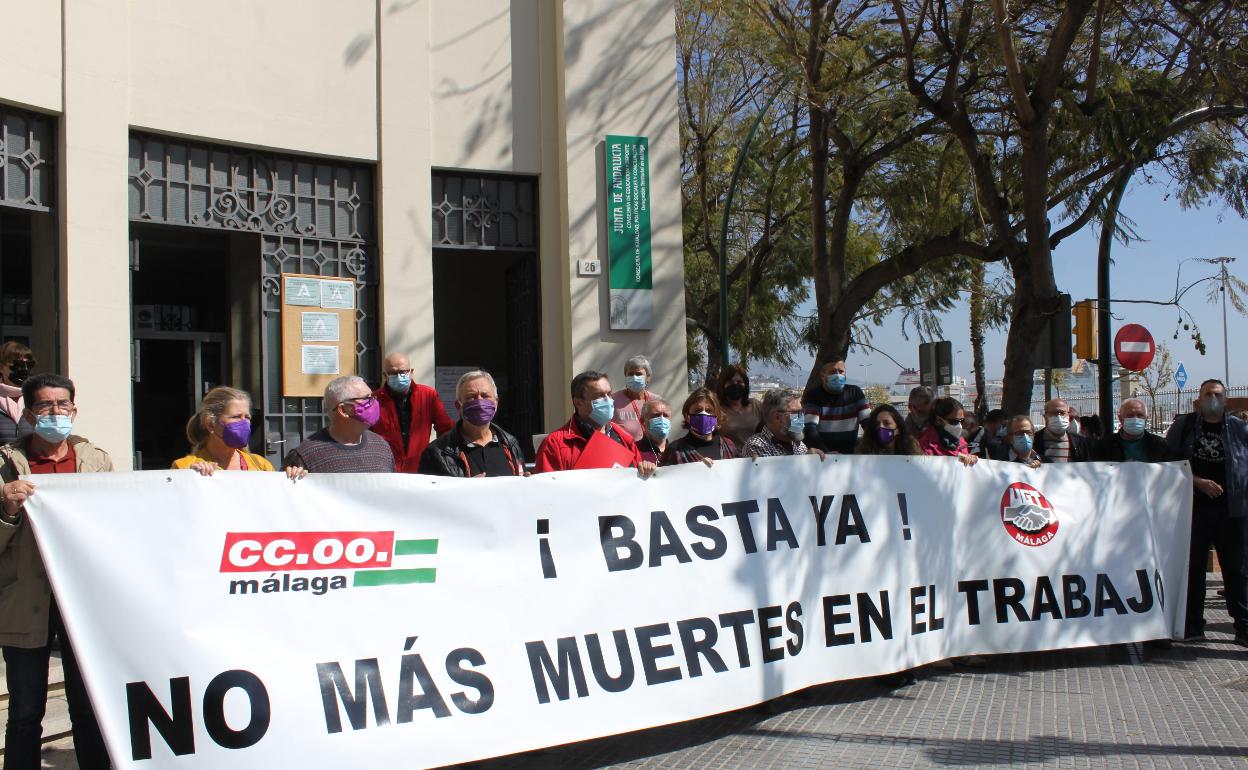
[[952, 421], [362, 400], [46, 407], [389, 372]]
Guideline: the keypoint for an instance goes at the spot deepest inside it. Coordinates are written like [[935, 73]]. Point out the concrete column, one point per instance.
[[558, 272], [95, 272], [403, 211]]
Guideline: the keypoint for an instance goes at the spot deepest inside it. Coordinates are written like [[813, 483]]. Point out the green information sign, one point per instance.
[[628, 232]]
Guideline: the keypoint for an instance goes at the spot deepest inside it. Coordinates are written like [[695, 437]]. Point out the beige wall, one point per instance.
[[30, 57], [620, 78], [95, 268], [526, 86], [282, 74]]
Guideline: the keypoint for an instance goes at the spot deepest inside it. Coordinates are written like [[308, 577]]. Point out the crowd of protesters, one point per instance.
[[402, 426]]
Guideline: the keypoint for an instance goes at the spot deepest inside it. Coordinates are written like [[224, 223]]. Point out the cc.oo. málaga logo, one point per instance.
[[289, 557], [1027, 515]]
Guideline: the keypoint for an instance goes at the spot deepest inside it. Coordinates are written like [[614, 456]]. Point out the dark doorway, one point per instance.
[[16, 281], [487, 314], [180, 298]]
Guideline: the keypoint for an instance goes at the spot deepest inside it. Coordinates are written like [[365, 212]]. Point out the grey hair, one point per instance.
[[654, 403], [1126, 401], [475, 374], [338, 389], [778, 398], [920, 391], [636, 361]]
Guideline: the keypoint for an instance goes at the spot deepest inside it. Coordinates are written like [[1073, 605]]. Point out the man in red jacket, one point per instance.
[[591, 398], [408, 411]]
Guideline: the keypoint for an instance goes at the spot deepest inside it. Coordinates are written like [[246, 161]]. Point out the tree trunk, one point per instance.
[[978, 288]]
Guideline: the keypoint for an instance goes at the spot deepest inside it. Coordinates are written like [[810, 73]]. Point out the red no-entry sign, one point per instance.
[[1134, 347]]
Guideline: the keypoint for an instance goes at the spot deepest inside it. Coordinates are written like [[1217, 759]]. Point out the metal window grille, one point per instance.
[[313, 216], [27, 159], [484, 211]]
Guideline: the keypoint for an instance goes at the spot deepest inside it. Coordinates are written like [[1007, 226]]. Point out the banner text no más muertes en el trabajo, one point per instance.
[[396, 620]]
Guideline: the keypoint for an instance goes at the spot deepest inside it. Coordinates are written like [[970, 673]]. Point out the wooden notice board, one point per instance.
[[318, 332]]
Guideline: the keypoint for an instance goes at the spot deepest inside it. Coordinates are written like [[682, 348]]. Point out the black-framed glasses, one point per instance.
[[64, 406]]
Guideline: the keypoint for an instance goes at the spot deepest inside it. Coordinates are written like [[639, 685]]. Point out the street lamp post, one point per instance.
[[723, 231], [1222, 262], [1110, 218]]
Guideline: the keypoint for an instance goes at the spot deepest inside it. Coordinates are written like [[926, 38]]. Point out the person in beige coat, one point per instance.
[[29, 619]]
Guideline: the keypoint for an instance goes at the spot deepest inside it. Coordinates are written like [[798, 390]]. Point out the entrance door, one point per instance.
[[487, 311], [180, 296], [174, 373]]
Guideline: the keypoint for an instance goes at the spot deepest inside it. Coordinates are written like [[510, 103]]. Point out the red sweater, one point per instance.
[[563, 447], [426, 410]]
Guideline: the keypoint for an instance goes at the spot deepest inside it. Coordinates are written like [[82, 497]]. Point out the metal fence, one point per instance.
[[1162, 410]]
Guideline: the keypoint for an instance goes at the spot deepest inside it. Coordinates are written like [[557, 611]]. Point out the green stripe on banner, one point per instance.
[[415, 547], [391, 577]]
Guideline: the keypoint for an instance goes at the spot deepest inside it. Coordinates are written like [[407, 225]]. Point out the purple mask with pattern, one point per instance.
[[367, 412], [703, 424]]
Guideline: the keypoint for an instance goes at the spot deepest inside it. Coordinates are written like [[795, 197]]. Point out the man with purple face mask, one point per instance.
[[346, 445], [475, 447]]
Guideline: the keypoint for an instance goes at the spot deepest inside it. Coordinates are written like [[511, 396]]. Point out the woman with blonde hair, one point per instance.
[[219, 432]]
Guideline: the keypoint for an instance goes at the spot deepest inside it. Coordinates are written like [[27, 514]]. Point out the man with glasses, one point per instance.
[[29, 619], [1055, 443], [1216, 444], [784, 425], [1016, 447], [408, 411], [346, 445]]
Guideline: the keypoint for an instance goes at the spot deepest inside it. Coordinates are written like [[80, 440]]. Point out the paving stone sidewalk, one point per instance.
[[1127, 706]]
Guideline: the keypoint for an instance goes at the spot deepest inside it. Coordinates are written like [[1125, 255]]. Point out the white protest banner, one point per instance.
[[246, 621]]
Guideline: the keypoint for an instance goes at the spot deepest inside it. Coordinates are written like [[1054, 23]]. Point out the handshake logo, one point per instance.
[[1027, 515]]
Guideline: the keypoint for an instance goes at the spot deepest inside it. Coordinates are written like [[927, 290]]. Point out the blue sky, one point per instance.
[[1142, 270]]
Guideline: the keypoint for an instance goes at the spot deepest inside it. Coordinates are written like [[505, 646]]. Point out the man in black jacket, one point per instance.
[[1054, 444], [475, 447], [1132, 442]]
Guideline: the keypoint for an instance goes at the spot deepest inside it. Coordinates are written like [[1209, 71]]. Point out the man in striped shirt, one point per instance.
[[1054, 443], [833, 410]]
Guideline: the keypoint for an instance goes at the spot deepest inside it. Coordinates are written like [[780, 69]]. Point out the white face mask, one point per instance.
[[1057, 423], [954, 430]]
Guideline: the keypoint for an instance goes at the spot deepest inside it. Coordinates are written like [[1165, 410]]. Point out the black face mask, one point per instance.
[[735, 392], [19, 373]]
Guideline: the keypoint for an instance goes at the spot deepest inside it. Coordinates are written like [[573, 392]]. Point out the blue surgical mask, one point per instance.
[[399, 383], [834, 382], [636, 383], [601, 410], [53, 428], [1134, 426], [1001, 432], [797, 422], [659, 427], [1022, 444]]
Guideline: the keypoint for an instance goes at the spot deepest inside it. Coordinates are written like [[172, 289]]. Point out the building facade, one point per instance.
[[170, 166]]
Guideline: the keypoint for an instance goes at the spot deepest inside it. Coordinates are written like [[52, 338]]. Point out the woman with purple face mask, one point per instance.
[[219, 432], [703, 443], [885, 433]]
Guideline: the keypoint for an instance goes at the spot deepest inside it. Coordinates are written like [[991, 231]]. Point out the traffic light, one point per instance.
[[1085, 329]]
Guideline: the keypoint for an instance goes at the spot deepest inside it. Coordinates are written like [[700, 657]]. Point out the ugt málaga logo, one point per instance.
[[1027, 515]]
